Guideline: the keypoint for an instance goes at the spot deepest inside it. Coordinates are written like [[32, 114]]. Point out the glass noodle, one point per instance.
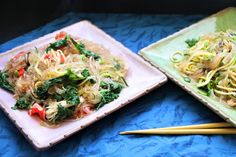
[[69, 78]]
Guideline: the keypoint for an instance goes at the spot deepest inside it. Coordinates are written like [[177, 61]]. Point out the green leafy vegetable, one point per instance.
[[71, 95], [187, 79], [57, 96], [63, 113], [191, 42], [104, 85], [85, 73], [116, 87], [80, 47], [72, 100], [113, 86], [4, 82], [72, 76], [109, 92], [107, 96], [42, 91], [22, 103], [58, 44], [206, 90]]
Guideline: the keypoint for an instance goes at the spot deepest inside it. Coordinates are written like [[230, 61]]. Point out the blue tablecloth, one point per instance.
[[167, 106]]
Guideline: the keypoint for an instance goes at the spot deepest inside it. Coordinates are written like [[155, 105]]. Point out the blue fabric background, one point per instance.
[[166, 106]]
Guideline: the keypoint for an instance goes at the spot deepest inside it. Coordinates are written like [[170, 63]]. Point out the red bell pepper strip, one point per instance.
[[21, 72], [47, 56], [87, 109], [84, 110], [62, 59], [61, 35], [38, 110]]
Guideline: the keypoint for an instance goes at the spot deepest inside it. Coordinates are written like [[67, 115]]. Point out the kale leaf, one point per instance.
[[109, 92], [116, 87], [72, 98], [22, 103], [107, 96], [65, 42], [58, 44], [191, 42], [85, 73], [71, 95], [4, 82], [63, 113], [72, 76], [42, 91], [57, 96], [80, 47]]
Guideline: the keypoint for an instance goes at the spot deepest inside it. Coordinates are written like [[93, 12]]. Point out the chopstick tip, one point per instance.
[[125, 133]]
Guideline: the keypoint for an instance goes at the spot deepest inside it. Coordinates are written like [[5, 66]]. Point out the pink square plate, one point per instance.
[[142, 78]]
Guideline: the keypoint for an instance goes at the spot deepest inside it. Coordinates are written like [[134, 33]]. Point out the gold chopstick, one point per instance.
[[202, 126], [182, 131], [210, 128]]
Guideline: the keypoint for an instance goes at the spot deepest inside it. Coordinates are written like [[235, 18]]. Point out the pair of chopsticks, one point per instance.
[[200, 129]]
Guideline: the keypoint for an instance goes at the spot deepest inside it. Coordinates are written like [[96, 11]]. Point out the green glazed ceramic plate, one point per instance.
[[159, 53]]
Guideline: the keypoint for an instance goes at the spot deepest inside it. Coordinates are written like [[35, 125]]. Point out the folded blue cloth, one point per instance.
[[166, 106]]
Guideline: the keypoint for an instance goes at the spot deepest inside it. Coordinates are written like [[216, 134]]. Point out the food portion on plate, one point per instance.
[[209, 62], [69, 78]]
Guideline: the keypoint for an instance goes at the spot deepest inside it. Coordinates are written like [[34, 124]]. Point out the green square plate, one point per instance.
[[158, 54]]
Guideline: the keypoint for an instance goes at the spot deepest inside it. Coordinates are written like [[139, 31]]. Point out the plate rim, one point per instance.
[[174, 79], [40, 147]]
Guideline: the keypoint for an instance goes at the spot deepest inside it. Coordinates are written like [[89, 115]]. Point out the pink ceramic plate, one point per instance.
[[141, 78]]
